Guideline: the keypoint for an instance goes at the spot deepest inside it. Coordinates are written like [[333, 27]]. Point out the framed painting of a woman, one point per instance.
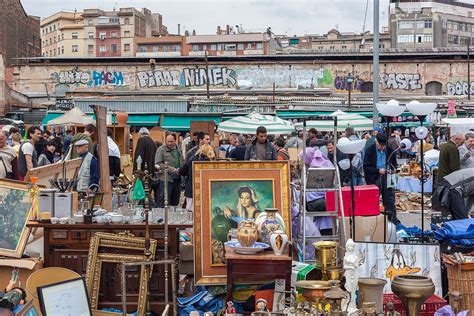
[[226, 193]]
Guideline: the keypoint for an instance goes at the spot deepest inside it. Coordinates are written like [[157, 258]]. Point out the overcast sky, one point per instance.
[[285, 17]]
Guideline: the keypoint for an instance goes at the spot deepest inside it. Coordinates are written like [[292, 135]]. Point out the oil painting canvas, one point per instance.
[[225, 193], [15, 210]]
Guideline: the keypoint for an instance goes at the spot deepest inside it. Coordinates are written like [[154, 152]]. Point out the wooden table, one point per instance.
[[67, 246], [265, 266]]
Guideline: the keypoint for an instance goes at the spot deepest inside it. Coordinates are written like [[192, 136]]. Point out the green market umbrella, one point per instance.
[[248, 124], [358, 122]]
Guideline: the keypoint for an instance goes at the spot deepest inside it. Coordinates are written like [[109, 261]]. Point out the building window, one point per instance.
[[126, 47], [90, 35], [127, 21], [62, 36], [331, 47], [240, 46], [321, 47], [75, 35], [259, 45], [344, 47], [177, 48], [464, 40], [141, 48], [249, 46], [54, 28], [213, 47], [113, 48], [195, 48], [102, 35], [165, 48], [54, 52], [89, 22], [62, 50], [424, 38], [113, 34], [90, 49], [50, 41], [127, 33], [102, 49], [406, 38], [404, 25], [155, 48], [75, 48], [428, 24], [453, 39], [59, 38], [54, 39]]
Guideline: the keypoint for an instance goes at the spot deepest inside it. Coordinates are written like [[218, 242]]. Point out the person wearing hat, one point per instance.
[[146, 150], [88, 175], [375, 170], [371, 140]]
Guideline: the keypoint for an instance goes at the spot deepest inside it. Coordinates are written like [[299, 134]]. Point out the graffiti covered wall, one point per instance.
[[402, 77]]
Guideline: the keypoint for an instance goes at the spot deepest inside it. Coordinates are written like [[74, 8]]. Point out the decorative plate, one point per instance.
[[256, 247]]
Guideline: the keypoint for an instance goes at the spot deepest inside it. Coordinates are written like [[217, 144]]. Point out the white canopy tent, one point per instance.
[[248, 124], [73, 117], [358, 122], [459, 125]]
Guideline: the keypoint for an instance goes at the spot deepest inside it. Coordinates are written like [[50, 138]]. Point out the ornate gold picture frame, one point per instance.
[[224, 193], [16, 209], [102, 242]]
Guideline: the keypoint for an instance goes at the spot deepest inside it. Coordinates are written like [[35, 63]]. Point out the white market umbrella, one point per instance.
[[73, 117], [248, 124], [459, 125], [358, 122]]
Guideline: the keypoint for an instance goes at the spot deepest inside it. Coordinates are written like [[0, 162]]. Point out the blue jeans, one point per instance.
[[357, 179]]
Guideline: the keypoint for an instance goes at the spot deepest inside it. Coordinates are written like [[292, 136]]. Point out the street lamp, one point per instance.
[[390, 109], [351, 148], [421, 110], [349, 81]]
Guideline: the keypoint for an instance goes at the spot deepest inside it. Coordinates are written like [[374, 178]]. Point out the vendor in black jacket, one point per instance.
[[375, 170]]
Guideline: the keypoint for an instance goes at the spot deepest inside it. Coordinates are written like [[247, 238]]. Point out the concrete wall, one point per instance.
[[395, 77]]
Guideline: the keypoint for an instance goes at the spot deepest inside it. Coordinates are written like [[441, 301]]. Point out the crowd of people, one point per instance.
[[373, 165]]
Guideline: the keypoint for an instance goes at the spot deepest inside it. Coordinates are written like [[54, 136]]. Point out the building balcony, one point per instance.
[[254, 52]]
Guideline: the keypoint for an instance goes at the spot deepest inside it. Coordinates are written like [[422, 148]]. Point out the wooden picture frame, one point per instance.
[[214, 185], [16, 209], [67, 293], [102, 242], [54, 171]]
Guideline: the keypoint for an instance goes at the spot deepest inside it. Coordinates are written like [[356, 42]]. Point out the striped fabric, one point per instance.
[[358, 122], [248, 124]]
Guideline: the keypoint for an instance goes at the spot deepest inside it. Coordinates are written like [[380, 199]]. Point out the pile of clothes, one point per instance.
[[457, 233]]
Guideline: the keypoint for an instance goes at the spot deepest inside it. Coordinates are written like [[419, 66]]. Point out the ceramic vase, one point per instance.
[[279, 240], [247, 233], [122, 118], [413, 291], [269, 225]]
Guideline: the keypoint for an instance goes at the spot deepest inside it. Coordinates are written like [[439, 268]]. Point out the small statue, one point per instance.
[[351, 263], [261, 305], [230, 310]]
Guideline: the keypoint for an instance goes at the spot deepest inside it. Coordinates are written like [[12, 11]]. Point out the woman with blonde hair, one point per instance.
[[204, 153]]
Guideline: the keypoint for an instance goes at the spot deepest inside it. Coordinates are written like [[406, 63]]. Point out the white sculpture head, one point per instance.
[[350, 245]]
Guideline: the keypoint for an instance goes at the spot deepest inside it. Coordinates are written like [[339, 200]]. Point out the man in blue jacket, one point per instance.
[[376, 171]]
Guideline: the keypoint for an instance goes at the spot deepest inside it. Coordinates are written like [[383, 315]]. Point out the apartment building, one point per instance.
[[98, 33], [431, 24], [19, 32]]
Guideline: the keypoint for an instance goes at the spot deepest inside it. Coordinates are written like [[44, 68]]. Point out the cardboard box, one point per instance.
[[366, 199], [370, 228], [26, 266]]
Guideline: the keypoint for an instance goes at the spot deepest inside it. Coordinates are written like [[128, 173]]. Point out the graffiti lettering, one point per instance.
[[157, 78], [459, 88], [92, 78], [341, 84], [400, 81]]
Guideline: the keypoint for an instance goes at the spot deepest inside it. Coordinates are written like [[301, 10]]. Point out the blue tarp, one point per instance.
[[459, 229]]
